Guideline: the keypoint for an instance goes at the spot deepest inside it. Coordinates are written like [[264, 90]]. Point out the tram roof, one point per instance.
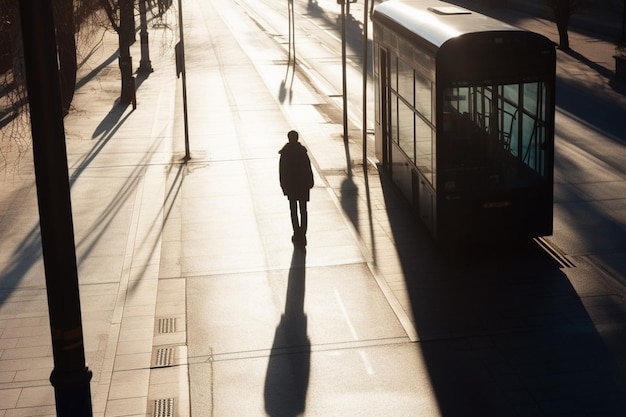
[[436, 21]]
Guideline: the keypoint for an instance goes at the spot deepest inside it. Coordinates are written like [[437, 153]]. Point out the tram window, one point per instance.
[[390, 38], [530, 98], [406, 121], [406, 50], [424, 63], [508, 126], [482, 101], [405, 81], [393, 72], [510, 92], [424, 148], [394, 117], [456, 99], [423, 96], [484, 124], [529, 149]]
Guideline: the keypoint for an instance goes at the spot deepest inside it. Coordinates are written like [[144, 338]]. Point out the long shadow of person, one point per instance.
[[287, 377]]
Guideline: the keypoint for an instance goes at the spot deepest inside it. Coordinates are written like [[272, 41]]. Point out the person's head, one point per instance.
[[293, 136]]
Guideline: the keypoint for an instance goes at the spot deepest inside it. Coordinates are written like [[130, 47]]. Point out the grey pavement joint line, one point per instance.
[[319, 347], [118, 312]]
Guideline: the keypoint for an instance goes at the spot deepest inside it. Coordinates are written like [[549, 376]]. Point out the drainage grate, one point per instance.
[[164, 357], [167, 325], [164, 407]]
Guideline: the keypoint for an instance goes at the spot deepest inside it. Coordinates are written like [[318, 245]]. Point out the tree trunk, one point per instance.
[[562, 13], [562, 26], [66, 49], [624, 24], [124, 31]]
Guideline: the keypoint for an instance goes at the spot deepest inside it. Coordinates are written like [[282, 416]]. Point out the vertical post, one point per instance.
[[184, 74], [289, 8], [144, 64], [291, 34], [365, 54], [126, 34], [70, 376], [344, 87], [624, 24]]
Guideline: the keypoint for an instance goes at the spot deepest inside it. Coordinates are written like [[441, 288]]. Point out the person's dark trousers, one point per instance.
[[299, 227]]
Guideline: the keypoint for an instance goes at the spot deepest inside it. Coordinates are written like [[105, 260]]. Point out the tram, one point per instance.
[[464, 120]]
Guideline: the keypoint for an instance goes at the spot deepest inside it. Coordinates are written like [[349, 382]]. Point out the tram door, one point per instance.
[[385, 109]]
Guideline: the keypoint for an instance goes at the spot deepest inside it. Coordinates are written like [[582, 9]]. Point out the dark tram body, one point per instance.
[[465, 120]]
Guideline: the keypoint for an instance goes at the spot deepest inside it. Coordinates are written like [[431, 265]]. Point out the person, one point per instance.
[[296, 180]]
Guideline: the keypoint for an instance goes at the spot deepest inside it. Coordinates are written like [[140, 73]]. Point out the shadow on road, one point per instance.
[[501, 328], [287, 378]]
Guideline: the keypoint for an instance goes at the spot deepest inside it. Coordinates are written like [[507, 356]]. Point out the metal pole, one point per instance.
[[365, 54], [291, 34], [126, 33], [289, 7], [144, 64], [344, 87], [184, 74], [70, 376]]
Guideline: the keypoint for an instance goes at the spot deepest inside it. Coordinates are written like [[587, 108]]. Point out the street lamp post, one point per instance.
[[181, 69], [70, 376], [344, 89], [365, 54], [144, 64]]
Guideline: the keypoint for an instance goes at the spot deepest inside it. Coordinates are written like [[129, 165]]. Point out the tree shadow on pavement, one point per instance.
[[94, 72], [588, 62], [616, 84], [287, 378], [21, 263], [597, 110], [27, 253], [104, 132]]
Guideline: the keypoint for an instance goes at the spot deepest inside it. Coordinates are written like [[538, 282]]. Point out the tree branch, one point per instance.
[[111, 13]]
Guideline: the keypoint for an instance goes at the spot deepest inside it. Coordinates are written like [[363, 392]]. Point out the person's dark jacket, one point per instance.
[[296, 176]]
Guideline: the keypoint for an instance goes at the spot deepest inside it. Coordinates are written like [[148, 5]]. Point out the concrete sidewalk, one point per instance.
[[148, 226], [118, 160]]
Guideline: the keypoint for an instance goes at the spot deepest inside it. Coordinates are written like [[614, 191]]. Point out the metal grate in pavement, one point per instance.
[[164, 357], [164, 407], [167, 325]]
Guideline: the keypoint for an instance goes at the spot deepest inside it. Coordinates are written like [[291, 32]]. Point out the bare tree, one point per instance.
[[66, 50], [121, 16], [13, 126], [563, 10], [71, 17]]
